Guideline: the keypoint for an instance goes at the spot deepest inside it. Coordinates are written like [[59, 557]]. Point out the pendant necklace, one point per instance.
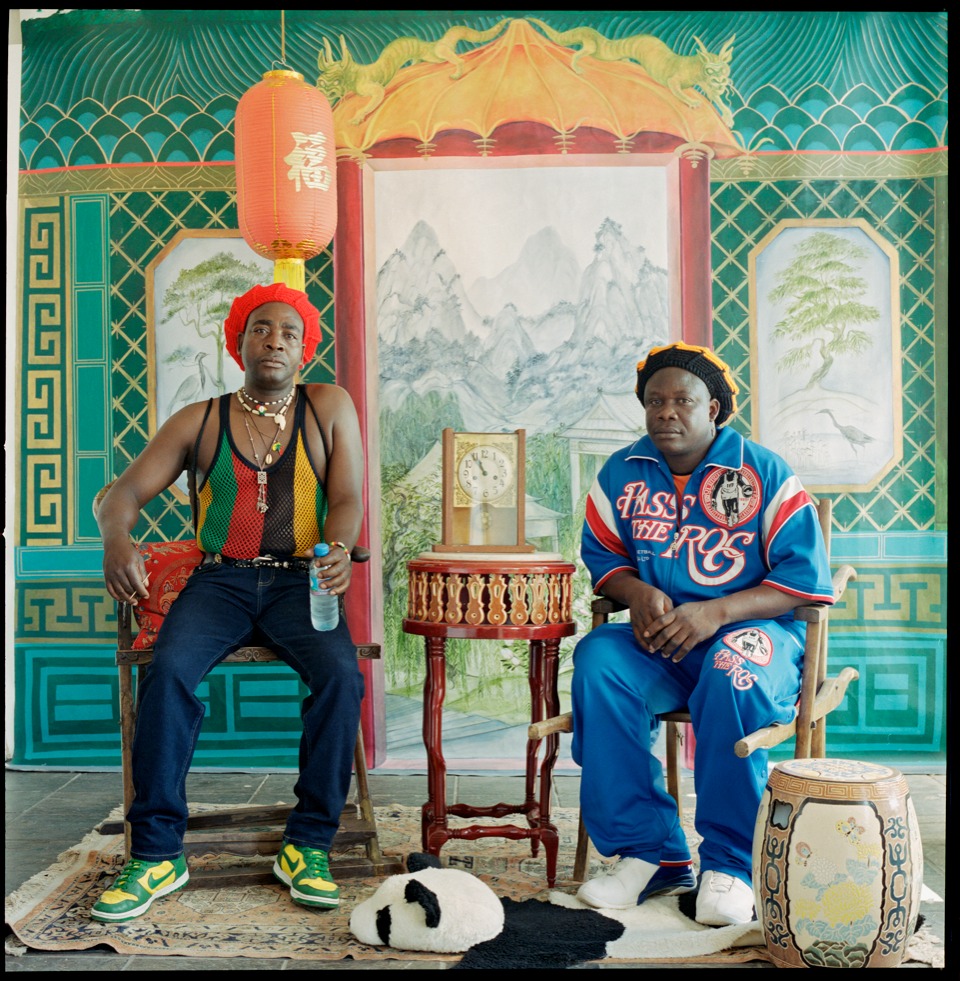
[[259, 409]]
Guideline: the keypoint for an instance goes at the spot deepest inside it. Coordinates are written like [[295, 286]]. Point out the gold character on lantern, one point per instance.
[[306, 161]]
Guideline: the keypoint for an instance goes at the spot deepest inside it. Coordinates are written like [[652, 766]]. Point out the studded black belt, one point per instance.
[[260, 562]]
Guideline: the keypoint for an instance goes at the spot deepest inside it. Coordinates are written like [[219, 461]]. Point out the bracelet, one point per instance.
[[344, 547]]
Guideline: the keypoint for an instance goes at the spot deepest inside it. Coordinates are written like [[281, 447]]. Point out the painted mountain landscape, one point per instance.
[[534, 345], [530, 347]]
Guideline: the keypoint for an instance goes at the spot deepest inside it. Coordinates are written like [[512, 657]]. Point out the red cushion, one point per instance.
[[169, 565]]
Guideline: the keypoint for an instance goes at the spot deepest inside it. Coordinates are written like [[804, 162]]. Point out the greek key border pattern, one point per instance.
[[52, 612], [889, 597], [68, 712], [44, 381]]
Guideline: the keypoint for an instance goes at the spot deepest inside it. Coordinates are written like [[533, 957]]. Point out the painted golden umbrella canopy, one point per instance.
[[526, 77]]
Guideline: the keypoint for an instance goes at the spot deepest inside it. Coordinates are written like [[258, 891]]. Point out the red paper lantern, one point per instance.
[[286, 172]]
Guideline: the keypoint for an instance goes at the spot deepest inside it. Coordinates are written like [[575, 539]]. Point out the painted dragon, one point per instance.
[[340, 78], [678, 73]]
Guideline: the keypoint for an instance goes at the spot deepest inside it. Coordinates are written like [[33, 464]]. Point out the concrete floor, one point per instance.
[[47, 812]]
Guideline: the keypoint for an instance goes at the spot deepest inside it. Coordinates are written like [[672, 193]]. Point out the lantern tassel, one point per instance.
[[291, 272]]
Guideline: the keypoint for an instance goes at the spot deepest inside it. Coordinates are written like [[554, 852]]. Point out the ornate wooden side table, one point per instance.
[[523, 597]]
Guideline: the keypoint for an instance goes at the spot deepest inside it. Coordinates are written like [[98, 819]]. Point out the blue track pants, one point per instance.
[[746, 677]]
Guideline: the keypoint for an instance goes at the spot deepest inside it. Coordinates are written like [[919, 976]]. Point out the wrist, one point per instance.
[[627, 589], [118, 541], [346, 551]]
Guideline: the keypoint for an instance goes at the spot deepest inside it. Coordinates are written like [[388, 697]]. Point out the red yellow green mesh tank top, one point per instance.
[[228, 521]]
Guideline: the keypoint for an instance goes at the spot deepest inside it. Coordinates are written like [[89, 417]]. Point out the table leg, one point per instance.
[[434, 812], [535, 680], [544, 703], [551, 707]]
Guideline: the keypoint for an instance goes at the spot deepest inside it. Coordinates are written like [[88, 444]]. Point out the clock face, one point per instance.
[[483, 480], [485, 474]]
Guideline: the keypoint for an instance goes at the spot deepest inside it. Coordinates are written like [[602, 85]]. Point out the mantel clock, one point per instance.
[[483, 492]]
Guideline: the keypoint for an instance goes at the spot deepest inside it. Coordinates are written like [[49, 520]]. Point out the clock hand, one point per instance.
[[481, 466]]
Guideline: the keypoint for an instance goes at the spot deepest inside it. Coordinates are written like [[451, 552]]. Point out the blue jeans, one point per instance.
[[744, 678], [217, 611]]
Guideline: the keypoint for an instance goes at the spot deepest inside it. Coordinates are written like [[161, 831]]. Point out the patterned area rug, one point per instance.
[[51, 911]]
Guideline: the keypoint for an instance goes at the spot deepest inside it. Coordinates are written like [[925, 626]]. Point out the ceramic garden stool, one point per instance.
[[837, 864]]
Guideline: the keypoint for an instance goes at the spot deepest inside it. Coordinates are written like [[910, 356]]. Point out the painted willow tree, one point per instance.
[[823, 289]]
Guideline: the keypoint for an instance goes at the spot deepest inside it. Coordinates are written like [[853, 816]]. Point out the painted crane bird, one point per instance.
[[191, 387], [855, 437]]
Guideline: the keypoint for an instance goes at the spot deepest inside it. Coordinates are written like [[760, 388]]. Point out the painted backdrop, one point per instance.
[[797, 123], [506, 297]]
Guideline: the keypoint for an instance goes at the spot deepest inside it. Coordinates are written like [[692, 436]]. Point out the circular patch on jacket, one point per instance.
[[730, 497]]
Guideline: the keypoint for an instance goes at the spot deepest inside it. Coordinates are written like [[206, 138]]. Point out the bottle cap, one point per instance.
[[321, 549]]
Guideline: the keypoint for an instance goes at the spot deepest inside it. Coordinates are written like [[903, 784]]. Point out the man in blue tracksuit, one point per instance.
[[711, 542]]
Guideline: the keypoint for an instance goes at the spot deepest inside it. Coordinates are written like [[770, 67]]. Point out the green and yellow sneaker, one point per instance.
[[137, 886], [307, 873]]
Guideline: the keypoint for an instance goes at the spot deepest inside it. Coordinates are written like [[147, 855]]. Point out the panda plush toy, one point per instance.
[[429, 908]]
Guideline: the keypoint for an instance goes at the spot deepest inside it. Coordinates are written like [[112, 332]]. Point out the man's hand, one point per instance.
[[674, 631], [646, 603], [124, 572], [647, 606], [335, 569], [678, 631]]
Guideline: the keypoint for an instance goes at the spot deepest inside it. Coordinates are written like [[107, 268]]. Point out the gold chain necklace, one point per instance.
[[275, 444]]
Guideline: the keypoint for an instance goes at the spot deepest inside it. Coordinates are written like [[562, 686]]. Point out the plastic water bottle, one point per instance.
[[324, 605]]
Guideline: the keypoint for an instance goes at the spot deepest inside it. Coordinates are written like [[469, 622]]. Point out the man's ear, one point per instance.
[[240, 345], [714, 409]]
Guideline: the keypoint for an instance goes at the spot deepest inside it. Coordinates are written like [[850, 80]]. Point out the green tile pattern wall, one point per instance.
[[847, 123], [902, 211]]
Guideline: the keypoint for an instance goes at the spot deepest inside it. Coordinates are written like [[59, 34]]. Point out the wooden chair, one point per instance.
[[819, 695], [246, 831]]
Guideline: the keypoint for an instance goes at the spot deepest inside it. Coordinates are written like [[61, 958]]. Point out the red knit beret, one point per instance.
[[243, 306]]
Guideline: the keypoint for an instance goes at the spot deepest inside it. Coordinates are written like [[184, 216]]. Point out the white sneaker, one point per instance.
[[723, 900], [633, 881]]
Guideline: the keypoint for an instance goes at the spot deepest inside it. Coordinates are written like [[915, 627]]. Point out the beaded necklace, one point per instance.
[[259, 409]]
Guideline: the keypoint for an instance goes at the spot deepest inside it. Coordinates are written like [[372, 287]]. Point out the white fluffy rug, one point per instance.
[[658, 929]]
